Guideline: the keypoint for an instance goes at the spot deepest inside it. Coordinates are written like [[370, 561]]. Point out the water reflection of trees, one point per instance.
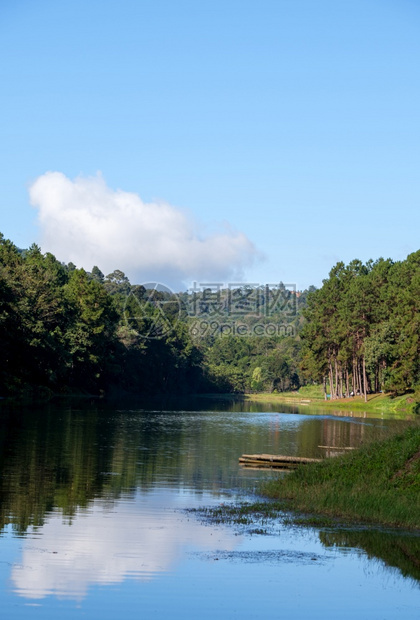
[[64, 456], [400, 551], [48, 460]]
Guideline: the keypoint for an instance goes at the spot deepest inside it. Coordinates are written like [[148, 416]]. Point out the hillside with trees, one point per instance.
[[66, 330]]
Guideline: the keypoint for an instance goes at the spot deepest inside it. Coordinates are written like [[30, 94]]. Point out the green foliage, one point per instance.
[[62, 328], [90, 334], [379, 482], [363, 327], [252, 364]]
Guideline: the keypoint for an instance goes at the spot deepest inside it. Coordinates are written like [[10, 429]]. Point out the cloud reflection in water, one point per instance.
[[107, 545]]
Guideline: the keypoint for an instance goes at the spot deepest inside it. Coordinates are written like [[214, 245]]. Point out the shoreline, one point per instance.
[[388, 403], [376, 484]]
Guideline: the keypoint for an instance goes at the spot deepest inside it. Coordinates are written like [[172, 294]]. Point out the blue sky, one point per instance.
[[261, 141]]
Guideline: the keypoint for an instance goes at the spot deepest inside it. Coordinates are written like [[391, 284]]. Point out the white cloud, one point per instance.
[[87, 223]]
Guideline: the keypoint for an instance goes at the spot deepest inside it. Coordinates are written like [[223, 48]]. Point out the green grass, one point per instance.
[[379, 483], [313, 396], [312, 391], [240, 513]]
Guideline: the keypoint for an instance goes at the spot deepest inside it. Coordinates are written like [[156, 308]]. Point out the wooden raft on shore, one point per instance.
[[274, 460]]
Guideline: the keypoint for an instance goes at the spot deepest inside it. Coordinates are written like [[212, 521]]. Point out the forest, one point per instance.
[[64, 330], [362, 328]]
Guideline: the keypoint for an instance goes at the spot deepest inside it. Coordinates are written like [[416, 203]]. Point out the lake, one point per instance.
[[96, 518]]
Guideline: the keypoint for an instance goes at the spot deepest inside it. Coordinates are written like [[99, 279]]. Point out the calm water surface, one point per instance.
[[94, 519]]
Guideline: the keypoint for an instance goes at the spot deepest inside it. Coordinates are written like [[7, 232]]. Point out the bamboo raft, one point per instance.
[[274, 460], [337, 448]]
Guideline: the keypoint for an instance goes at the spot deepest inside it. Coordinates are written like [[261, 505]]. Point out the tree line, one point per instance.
[[63, 329], [362, 328]]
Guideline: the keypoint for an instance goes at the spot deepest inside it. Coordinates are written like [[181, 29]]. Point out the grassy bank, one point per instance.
[[313, 396], [379, 483]]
